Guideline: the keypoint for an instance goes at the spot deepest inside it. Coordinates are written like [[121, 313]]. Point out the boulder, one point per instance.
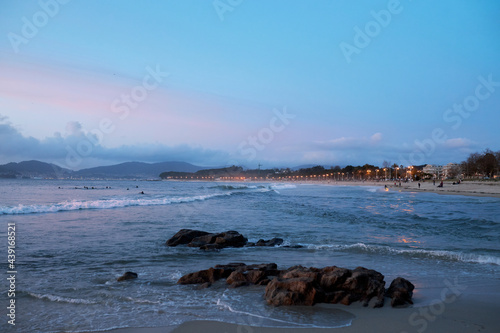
[[185, 236], [293, 291], [365, 284], [216, 241], [237, 279], [401, 292], [207, 275], [271, 242], [127, 276], [300, 285]]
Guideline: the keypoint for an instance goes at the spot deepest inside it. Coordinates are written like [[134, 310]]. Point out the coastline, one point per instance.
[[466, 314], [467, 188], [470, 312]]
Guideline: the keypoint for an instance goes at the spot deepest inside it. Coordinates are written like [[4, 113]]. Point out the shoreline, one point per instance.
[[464, 314], [466, 188]]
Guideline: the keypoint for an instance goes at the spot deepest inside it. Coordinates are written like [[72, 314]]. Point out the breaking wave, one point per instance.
[[55, 298], [102, 204], [415, 253]]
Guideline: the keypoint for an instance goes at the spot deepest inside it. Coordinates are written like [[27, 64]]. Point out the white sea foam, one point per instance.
[[103, 204], [282, 186], [55, 298], [431, 254]]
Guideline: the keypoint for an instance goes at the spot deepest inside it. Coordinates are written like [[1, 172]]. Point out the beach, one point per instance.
[[464, 315], [469, 188], [73, 251]]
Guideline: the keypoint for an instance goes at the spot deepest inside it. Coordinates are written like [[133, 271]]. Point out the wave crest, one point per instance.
[[421, 253]]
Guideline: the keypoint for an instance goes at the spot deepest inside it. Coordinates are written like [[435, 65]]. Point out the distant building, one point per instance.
[[435, 170], [451, 170]]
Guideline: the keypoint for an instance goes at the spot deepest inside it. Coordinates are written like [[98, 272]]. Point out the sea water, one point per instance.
[[75, 237]]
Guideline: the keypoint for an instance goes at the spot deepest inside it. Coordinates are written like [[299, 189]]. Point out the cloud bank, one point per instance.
[[78, 149]]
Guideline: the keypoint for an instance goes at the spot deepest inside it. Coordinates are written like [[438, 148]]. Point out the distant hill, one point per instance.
[[33, 169], [136, 170]]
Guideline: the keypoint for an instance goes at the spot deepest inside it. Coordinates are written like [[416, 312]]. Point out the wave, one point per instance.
[[281, 186], [236, 187], [102, 204], [55, 298], [419, 253]]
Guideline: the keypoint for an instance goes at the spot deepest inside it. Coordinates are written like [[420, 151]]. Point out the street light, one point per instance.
[[385, 173], [396, 172]]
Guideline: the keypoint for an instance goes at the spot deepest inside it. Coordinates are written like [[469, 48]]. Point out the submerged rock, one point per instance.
[[127, 276]]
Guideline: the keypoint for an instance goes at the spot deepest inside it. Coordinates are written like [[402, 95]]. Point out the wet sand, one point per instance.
[[464, 315]]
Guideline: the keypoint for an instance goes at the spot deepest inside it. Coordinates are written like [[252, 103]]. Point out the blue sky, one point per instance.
[[282, 83]]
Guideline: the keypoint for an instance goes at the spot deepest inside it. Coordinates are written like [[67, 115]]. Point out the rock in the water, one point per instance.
[[329, 285], [208, 241], [231, 239], [207, 275], [401, 292], [293, 291], [185, 236], [300, 285], [237, 279], [127, 276], [271, 242]]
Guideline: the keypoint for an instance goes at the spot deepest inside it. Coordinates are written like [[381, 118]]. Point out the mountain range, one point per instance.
[[133, 170]]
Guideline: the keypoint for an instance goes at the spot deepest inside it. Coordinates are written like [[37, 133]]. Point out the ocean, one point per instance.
[[74, 238]]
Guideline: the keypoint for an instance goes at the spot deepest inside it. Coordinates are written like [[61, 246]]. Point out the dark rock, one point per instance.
[[204, 285], [219, 241], [231, 239], [300, 285], [300, 272], [255, 276], [293, 291], [203, 240], [127, 276], [208, 275], [211, 247], [364, 284], [249, 244], [401, 292], [271, 242], [332, 278], [236, 277], [293, 246], [185, 236], [234, 266]]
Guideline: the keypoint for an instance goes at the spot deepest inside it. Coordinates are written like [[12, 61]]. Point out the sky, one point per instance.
[[222, 82]]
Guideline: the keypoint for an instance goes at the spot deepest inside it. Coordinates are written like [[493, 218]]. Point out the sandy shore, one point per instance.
[[470, 188], [463, 315]]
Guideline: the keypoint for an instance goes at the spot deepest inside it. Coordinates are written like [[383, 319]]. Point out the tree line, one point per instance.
[[486, 164]]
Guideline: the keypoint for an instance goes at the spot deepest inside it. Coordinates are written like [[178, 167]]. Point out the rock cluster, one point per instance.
[[216, 241], [299, 285]]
